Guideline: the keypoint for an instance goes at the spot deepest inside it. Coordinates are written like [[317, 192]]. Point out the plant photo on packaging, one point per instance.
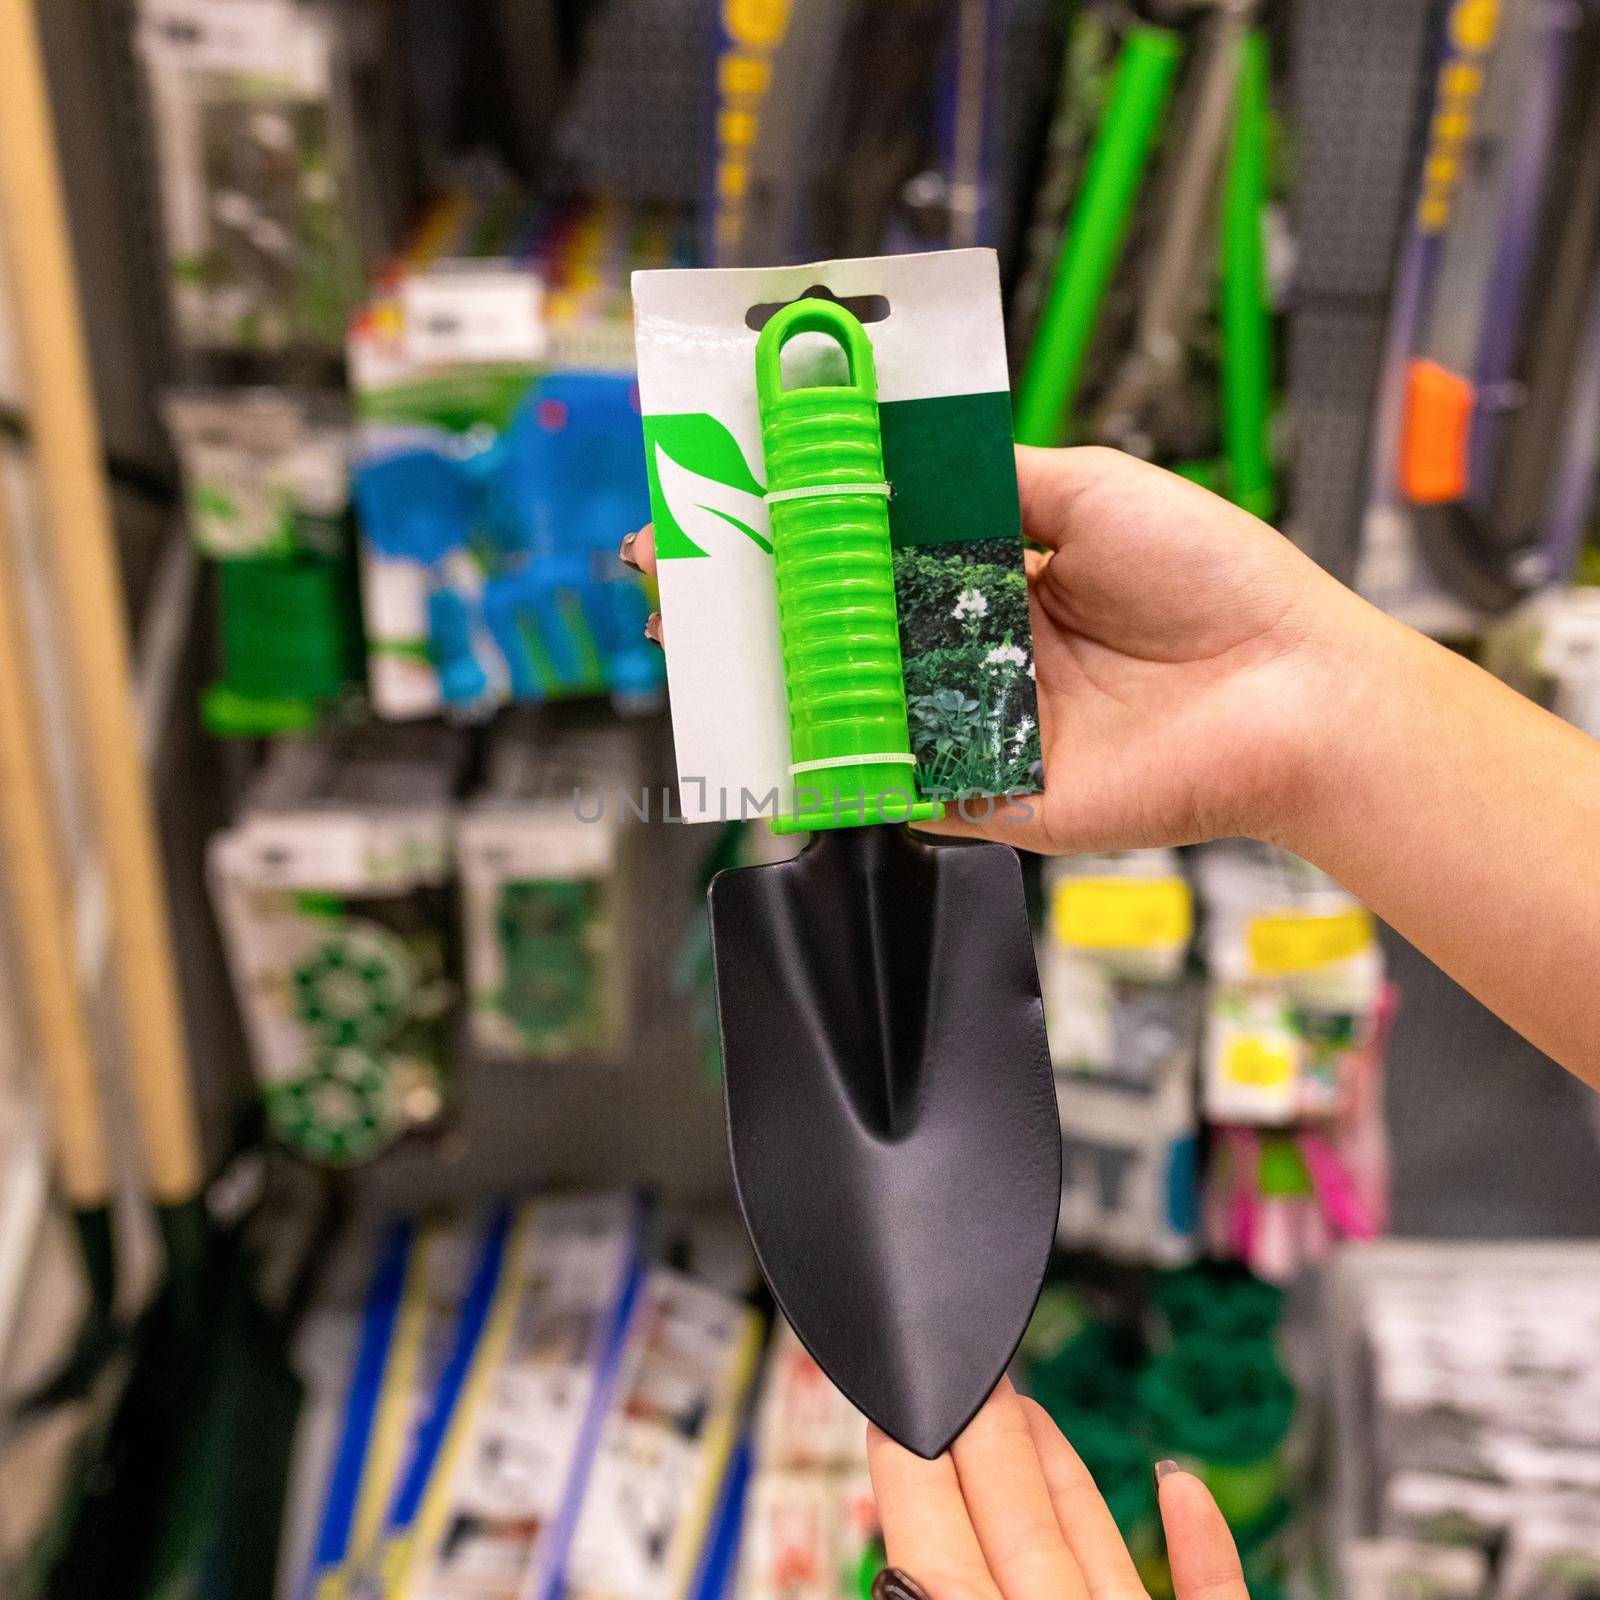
[[966, 647]]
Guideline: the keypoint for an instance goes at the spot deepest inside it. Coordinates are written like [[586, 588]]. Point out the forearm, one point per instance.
[[1469, 820]]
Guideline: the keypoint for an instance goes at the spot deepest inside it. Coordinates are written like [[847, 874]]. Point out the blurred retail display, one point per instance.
[[1185, 1365], [1466, 1425], [334, 891], [1124, 1020], [562, 1416], [1483, 456], [277, 162], [1549, 648], [810, 1521], [1139, 393], [451, 1122], [267, 496], [1292, 1062], [498, 455], [544, 897], [1260, 1087]]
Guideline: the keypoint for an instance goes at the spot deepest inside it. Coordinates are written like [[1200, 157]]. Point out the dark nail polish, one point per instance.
[[893, 1584], [1166, 1469], [652, 628], [626, 552]]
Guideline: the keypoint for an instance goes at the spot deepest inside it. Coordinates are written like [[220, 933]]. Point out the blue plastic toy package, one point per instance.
[[497, 468]]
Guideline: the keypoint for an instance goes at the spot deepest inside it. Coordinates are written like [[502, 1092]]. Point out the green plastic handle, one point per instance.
[[1093, 244], [849, 736], [1246, 316]]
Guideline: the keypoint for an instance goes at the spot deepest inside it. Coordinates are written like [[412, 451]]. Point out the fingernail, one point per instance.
[[626, 552], [652, 628], [1166, 1469], [893, 1584]]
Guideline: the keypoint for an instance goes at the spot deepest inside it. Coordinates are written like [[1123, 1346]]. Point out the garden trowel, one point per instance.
[[891, 1109]]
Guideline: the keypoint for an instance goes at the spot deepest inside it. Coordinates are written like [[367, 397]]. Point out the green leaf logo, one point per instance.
[[707, 501]]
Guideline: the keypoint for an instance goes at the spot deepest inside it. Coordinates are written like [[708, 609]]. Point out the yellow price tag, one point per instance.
[[1122, 913], [1294, 942], [1252, 1062]]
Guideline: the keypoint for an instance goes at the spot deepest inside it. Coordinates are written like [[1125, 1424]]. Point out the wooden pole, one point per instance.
[[68, 448], [41, 899]]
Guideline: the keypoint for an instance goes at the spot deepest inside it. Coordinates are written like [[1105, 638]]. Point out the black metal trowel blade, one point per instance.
[[891, 1113]]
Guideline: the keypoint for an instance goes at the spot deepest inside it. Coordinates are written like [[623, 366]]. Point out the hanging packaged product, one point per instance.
[[267, 493], [815, 720], [409, 1326], [1279, 1199], [540, 853], [1130, 1158], [489, 1503], [497, 466], [266, 472], [1297, 974], [1292, 1063], [333, 893], [1131, 912], [811, 1524], [268, 229], [1115, 939], [687, 1362], [1124, 1040], [943, 393], [1466, 1378], [456, 1375]]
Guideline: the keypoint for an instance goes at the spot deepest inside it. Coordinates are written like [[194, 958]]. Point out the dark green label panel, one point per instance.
[[951, 464]]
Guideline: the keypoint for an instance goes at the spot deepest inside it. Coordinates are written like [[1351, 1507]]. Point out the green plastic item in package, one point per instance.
[[290, 641], [341, 1111], [550, 982], [1281, 1170], [1224, 1407], [1223, 1300], [1094, 1373]]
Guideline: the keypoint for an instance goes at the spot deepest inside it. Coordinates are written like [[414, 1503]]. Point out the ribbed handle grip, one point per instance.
[[849, 737]]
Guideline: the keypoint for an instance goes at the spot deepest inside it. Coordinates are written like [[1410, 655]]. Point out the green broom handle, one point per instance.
[[1246, 316], [1095, 234]]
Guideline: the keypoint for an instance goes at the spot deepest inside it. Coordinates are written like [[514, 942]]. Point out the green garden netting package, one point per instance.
[[944, 397]]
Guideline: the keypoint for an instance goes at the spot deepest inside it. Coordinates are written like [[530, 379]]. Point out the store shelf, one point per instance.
[[1490, 1139], [1515, 1273]]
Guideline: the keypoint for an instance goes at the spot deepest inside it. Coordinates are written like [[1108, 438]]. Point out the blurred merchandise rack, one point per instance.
[[1464, 1442], [434, 1117]]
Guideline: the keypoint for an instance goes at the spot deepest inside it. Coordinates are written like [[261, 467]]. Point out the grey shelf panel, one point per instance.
[[1490, 1138]]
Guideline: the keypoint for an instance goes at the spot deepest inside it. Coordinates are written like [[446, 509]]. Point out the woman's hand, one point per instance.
[[1011, 1513], [1183, 652]]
